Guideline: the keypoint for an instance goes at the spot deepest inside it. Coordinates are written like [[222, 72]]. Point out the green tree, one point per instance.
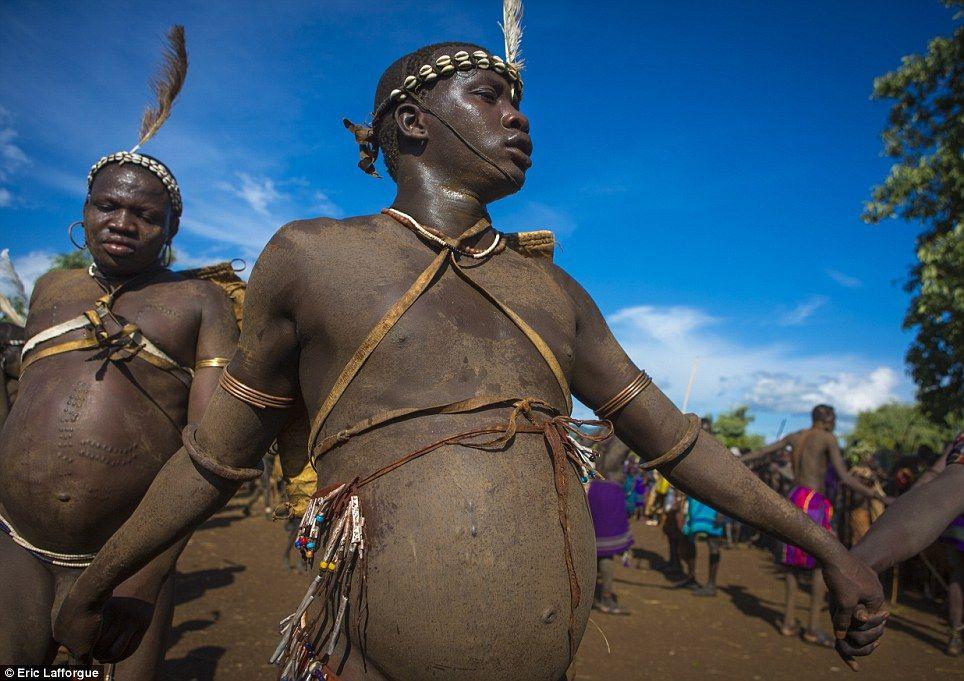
[[925, 136], [900, 428], [730, 429], [71, 261]]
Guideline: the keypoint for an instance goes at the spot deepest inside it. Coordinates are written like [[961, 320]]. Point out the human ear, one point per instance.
[[410, 121]]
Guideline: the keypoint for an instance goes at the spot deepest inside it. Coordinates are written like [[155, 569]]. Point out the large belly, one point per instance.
[[467, 574], [79, 449]]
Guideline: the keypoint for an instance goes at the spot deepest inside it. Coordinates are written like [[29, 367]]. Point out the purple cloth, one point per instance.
[[820, 510], [954, 534], [607, 504], [641, 491]]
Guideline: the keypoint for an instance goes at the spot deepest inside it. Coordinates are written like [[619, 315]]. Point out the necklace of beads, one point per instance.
[[435, 237]]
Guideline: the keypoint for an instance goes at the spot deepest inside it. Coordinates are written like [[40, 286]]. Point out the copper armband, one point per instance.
[[624, 396], [223, 471], [255, 398], [689, 438]]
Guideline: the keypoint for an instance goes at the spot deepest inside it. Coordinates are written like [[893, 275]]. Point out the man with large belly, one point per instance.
[[435, 358], [119, 358]]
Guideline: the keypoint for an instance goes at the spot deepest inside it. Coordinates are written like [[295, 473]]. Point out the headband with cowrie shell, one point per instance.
[[443, 67]]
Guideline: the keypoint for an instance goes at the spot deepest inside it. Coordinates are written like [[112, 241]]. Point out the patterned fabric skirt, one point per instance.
[[820, 511]]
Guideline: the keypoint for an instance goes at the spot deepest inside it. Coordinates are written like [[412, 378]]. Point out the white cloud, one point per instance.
[[267, 205], [803, 311], [12, 157], [257, 192], [537, 215], [776, 378], [325, 206], [29, 267], [668, 325], [848, 392], [844, 279]]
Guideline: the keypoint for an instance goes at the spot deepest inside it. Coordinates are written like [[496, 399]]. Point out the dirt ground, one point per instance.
[[232, 590]]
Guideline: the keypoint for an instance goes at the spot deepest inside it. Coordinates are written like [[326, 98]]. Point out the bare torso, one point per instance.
[[86, 437], [811, 458], [466, 566]]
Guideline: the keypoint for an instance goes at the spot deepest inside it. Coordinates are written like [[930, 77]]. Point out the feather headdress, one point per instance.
[[166, 85], [512, 31]]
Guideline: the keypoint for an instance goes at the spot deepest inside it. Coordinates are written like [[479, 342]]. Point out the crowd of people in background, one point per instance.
[[687, 523]]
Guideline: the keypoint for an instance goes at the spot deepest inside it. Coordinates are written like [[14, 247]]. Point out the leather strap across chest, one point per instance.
[[127, 342], [446, 257]]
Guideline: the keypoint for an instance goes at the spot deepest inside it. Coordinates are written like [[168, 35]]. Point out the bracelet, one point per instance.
[[685, 442], [213, 362], [624, 396], [255, 398], [189, 438]]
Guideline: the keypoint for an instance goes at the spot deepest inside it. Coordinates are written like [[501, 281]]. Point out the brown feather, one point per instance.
[[166, 84]]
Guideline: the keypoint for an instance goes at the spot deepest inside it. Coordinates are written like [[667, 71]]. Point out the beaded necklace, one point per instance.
[[437, 237]]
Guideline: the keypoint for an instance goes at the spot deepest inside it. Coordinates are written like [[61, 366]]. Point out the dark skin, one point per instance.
[[819, 451], [460, 526], [10, 337], [911, 524], [814, 451], [85, 438]]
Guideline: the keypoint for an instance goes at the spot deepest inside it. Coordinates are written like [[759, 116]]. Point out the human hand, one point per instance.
[[856, 607], [109, 631], [78, 622]]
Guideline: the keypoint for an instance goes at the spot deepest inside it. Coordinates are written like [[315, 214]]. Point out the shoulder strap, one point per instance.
[[529, 332], [55, 331], [396, 312], [371, 342], [129, 341]]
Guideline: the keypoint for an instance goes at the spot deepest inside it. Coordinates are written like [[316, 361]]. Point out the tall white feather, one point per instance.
[[512, 31]]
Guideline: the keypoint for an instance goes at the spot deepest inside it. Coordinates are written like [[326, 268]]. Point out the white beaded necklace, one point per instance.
[[414, 224]]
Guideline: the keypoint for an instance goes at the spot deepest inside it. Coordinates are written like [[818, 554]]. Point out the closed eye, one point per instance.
[[488, 94]]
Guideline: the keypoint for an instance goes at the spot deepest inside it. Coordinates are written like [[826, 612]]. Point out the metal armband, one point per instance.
[[612, 406], [683, 446], [213, 466], [249, 395], [218, 362]]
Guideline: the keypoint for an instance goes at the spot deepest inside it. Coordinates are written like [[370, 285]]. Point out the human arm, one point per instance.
[[849, 480], [768, 450], [6, 374], [650, 424], [936, 469], [914, 521], [231, 432], [217, 339], [910, 524]]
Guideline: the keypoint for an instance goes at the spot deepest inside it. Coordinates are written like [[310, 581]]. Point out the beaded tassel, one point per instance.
[[332, 529], [587, 461]]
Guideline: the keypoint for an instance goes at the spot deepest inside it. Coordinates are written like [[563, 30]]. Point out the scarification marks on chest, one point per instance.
[[158, 307], [109, 455]]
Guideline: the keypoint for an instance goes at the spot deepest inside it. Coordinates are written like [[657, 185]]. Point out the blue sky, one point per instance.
[[703, 164]]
